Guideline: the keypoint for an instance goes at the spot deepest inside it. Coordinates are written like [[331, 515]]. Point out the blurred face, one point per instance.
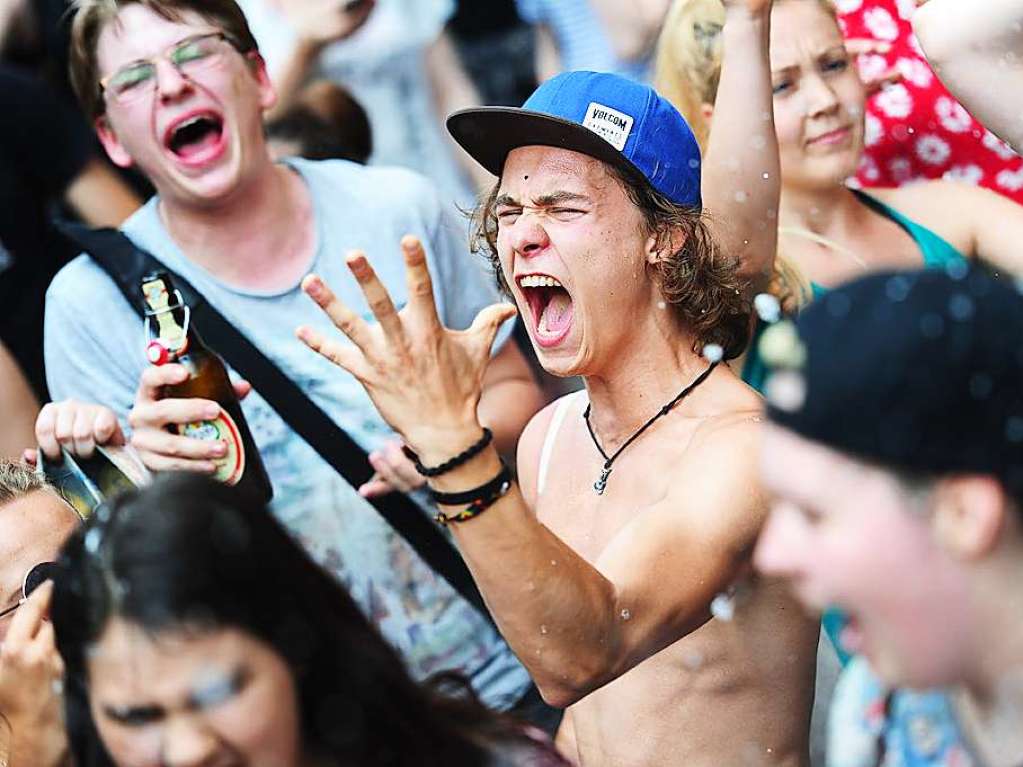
[[32, 530], [573, 248], [215, 699], [849, 535], [194, 129], [818, 97]]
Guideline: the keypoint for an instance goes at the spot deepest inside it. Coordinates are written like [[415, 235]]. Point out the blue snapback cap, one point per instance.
[[605, 116]]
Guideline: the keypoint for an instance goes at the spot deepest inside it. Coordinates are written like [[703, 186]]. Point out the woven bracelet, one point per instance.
[[479, 499], [466, 455]]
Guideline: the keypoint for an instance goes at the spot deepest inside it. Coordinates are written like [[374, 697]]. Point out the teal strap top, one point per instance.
[[936, 252]]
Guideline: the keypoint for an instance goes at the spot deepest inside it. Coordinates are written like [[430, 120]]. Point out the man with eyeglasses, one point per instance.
[[34, 522], [177, 88]]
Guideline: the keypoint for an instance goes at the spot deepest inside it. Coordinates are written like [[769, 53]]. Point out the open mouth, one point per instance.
[[196, 138], [550, 307]]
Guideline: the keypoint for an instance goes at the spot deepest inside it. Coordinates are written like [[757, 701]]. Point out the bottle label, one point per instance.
[[231, 467]]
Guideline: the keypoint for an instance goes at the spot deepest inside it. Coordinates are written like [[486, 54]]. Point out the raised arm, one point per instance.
[[574, 625], [972, 47], [632, 27], [741, 170]]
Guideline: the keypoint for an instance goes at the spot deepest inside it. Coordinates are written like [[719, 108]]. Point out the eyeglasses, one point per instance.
[[188, 56], [34, 578]]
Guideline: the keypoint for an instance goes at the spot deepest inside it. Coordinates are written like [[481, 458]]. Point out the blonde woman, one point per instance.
[[828, 231]]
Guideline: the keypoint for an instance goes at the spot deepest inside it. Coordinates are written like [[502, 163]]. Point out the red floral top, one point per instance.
[[914, 128]]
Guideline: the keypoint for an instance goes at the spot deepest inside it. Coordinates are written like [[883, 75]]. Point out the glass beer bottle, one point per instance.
[[173, 338]]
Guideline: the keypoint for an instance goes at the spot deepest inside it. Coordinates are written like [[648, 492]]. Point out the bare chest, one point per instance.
[[639, 479]]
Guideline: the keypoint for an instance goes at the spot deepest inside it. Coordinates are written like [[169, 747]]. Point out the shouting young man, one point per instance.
[[637, 503], [177, 89]]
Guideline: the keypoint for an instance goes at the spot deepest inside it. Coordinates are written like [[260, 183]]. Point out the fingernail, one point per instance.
[[218, 450], [211, 411]]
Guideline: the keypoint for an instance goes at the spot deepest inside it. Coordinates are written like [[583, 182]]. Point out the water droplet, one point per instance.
[[741, 196], [780, 346], [897, 288], [765, 175], [786, 391], [554, 563], [543, 629], [758, 143], [626, 615], [957, 270], [713, 352], [694, 164], [661, 305], [768, 307], [93, 538], [692, 660], [723, 607], [960, 307]]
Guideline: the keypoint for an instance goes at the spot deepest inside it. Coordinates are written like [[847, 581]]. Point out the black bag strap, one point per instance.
[[127, 264]]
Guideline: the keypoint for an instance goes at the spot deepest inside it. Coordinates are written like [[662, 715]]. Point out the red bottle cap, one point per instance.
[[157, 353]]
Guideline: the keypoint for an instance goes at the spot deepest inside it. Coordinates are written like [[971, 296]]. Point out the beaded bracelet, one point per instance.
[[479, 499], [453, 463]]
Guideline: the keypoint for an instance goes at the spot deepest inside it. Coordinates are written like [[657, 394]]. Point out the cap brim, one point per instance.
[[488, 134]]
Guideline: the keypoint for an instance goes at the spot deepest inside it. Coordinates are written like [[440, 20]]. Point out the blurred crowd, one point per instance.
[[750, 481]]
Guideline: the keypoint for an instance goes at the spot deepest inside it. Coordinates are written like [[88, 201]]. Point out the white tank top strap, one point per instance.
[[560, 411]]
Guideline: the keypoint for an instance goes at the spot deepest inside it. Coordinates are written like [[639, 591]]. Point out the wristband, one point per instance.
[[453, 463], [478, 499]]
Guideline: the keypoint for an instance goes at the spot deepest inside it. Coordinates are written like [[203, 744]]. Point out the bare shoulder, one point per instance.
[[949, 208]]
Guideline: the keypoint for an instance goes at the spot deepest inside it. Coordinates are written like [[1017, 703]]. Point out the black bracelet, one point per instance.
[[454, 463], [479, 499]]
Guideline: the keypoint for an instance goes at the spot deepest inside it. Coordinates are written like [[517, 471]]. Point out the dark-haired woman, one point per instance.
[[196, 632]]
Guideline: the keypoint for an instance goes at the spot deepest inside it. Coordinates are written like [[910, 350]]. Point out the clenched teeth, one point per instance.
[[539, 281]]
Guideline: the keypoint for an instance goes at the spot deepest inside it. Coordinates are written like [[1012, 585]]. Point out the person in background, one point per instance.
[[324, 123], [18, 404], [977, 57], [397, 60], [34, 523], [894, 455], [597, 35], [244, 231], [488, 31], [915, 128], [253, 655], [46, 159]]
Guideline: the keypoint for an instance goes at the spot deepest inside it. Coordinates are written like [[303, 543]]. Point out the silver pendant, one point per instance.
[[601, 484]]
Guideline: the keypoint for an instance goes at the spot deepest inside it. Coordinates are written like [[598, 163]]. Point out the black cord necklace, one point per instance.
[[601, 484]]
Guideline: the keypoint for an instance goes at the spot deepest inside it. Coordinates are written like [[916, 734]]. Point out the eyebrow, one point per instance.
[[829, 52], [545, 200], [212, 692]]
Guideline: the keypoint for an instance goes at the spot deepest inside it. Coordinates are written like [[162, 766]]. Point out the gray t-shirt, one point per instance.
[[95, 352]]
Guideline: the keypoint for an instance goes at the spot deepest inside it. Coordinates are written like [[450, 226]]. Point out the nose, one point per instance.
[[188, 742], [779, 544], [170, 82], [820, 97], [528, 237]]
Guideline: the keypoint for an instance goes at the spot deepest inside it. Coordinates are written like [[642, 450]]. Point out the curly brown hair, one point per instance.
[[91, 16], [697, 280]]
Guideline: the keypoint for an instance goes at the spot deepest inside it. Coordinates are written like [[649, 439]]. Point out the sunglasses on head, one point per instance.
[[34, 578]]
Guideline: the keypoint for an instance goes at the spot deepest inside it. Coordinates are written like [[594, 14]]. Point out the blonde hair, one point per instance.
[[18, 480], [687, 71]]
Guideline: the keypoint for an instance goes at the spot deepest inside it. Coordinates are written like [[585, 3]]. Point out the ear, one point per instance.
[[114, 148], [707, 110], [969, 514], [267, 92], [660, 248]]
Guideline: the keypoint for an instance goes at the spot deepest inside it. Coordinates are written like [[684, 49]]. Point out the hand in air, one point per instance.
[[424, 379], [325, 21], [152, 417], [78, 427]]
